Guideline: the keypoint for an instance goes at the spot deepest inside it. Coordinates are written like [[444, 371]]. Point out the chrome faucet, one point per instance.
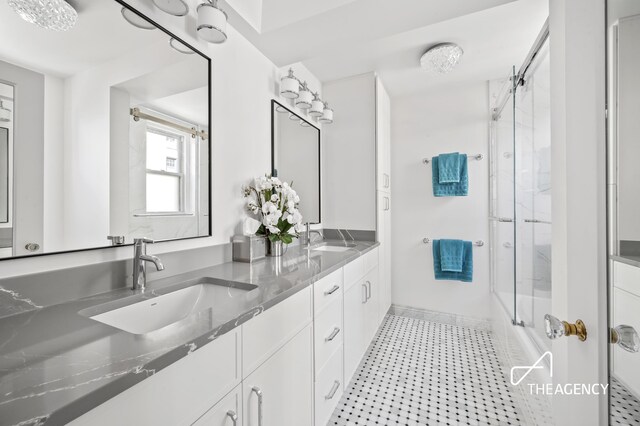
[[308, 231], [140, 259]]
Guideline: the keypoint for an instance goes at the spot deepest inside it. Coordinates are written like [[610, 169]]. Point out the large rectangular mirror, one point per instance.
[[295, 157], [104, 132]]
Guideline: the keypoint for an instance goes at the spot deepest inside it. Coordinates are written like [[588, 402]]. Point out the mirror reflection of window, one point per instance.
[[165, 177]]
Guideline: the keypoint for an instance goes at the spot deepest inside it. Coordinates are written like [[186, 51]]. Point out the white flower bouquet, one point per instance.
[[276, 205]]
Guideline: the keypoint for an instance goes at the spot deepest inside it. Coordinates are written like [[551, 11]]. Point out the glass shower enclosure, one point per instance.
[[520, 216]]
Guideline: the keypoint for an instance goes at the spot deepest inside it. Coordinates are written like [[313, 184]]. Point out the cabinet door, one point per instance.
[[227, 412], [372, 312], [384, 265], [355, 300], [280, 391], [383, 137]]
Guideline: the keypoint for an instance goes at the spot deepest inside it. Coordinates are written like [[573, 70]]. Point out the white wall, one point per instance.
[[454, 118], [243, 83]]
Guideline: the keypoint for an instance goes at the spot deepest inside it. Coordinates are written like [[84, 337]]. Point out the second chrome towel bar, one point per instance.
[[470, 157], [478, 243]]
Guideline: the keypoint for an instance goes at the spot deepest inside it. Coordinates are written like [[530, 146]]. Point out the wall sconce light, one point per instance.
[[289, 86], [305, 97], [212, 22], [317, 107], [327, 115]]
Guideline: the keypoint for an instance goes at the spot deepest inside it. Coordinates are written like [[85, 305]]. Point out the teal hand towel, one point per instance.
[[449, 168], [451, 255], [453, 189], [466, 275]]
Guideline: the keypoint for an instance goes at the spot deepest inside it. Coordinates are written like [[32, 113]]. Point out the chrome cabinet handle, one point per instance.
[[258, 392], [385, 180], [332, 290], [233, 416], [364, 286], [387, 204], [333, 390], [333, 335], [368, 287]]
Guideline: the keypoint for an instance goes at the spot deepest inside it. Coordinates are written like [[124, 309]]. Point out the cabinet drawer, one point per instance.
[[328, 333], [227, 412], [263, 335], [327, 290], [370, 260], [353, 272], [177, 395], [329, 388]]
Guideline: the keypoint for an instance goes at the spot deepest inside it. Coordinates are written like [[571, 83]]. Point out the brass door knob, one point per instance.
[[555, 328]]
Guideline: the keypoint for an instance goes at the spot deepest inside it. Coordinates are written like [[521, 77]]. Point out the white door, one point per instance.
[[578, 143], [280, 391]]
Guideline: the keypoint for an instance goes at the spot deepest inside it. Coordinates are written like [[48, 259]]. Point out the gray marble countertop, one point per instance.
[[56, 364]]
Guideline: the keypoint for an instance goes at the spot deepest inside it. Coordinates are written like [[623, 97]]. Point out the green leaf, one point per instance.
[[286, 238]]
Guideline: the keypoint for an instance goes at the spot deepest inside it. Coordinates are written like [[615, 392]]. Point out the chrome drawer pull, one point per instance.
[[333, 390], [368, 287], [364, 286], [333, 335], [233, 416], [332, 290], [258, 392]]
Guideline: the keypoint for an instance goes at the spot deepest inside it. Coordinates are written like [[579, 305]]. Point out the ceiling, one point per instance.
[[340, 38]]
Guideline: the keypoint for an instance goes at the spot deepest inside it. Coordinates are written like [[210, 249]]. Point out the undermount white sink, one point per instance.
[[152, 314], [333, 248]]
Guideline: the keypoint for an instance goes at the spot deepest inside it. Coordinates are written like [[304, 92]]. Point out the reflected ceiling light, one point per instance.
[[317, 107], [289, 86], [177, 45], [212, 22], [136, 20], [327, 115], [293, 117], [5, 113], [281, 109], [172, 7], [57, 15], [304, 123], [305, 97], [442, 58]]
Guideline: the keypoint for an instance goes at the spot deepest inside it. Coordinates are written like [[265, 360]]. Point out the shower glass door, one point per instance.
[[533, 197], [502, 195]]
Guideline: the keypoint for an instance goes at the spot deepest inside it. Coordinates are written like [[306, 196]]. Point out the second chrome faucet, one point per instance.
[[140, 259]]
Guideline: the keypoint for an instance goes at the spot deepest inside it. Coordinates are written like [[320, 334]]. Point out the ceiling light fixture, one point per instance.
[[442, 58], [57, 15], [172, 7], [310, 103], [5, 113], [212, 22]]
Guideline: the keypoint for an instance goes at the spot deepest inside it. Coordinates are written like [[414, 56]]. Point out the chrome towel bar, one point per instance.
[[478, 243], [470, 157]]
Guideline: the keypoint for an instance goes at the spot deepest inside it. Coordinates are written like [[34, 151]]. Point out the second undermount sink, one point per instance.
[[334, 247], [152, 314]]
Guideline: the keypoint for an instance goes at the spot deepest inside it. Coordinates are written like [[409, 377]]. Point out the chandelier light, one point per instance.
[[212, 22], [442, 58], [57, 15]]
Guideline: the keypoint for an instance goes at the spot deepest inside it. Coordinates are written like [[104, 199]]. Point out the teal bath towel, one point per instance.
[[466, 271], [449, 168], [451, 189], [451, 255]]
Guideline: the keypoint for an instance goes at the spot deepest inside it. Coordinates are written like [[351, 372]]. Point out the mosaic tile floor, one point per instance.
[[625, 408], [419, 372]]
